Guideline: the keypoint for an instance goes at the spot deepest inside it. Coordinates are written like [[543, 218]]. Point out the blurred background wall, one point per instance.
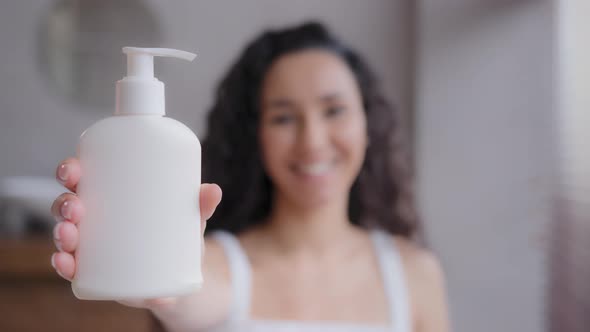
[[570, 263], [486, 154]]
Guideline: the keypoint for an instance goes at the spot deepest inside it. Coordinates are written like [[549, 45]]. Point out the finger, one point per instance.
[[64, 264], [164, 301], [209, 199], [68, 173], [65, 237], [67, 207], [133, 303], [158, 303]]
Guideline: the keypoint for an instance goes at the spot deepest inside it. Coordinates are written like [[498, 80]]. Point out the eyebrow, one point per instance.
[[330, 97], [282, 103]]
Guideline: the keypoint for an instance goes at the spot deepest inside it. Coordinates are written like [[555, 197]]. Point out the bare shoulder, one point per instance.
[[426, 286], [420, 264]]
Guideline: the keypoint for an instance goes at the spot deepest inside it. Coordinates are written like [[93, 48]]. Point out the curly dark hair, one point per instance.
[[380, 196]]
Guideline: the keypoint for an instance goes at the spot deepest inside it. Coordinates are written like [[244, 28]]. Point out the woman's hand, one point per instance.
[[68, 211]]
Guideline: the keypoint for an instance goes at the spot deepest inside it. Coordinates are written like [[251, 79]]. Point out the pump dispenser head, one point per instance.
[[140, 92]]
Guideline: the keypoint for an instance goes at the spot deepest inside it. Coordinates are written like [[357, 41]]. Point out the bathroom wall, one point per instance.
[[486, 155]]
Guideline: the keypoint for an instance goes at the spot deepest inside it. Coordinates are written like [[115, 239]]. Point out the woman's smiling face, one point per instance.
[[313, 132]]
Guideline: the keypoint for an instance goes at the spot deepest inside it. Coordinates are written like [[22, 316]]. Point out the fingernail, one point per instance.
[[62, 173], [66, 210], [53, 260], [56, 231]]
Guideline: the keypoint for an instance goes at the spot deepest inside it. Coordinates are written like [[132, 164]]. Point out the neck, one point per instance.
[[303, 229]]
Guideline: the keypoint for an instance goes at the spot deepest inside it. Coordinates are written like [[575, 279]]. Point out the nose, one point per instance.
[[313, 135]]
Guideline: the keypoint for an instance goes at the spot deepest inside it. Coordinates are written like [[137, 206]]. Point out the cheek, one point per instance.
[[352, 139], [274, 144]]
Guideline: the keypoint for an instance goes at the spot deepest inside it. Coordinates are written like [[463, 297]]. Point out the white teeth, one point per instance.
[[315, 169]]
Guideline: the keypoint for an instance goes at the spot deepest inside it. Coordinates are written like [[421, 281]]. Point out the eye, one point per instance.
[[281, 119], [334, 110]]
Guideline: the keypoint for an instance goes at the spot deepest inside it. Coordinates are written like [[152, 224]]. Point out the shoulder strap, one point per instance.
[[393, 280], [240, 274]]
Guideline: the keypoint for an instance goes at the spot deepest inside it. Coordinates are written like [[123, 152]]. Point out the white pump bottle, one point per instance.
[[140, 236]]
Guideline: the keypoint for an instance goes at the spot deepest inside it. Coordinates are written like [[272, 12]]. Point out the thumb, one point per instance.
[[209, 198]]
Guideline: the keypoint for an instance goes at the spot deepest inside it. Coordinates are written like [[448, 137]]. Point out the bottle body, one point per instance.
[[140, 236]]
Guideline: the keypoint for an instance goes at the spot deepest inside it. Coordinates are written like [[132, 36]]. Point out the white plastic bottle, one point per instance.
[[141, 171]]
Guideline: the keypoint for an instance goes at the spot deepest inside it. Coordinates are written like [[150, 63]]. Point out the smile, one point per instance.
[[315, 169]]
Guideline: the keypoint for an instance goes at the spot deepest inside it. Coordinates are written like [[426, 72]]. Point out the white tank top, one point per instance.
[[393, 279]]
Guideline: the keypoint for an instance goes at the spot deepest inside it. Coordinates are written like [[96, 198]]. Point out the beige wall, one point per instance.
[[486, 155]]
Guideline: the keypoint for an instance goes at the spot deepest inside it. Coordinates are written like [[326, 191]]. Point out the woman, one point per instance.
[[315, 228]]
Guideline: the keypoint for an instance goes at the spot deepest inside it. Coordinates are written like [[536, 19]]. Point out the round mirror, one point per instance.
[[80, 45]]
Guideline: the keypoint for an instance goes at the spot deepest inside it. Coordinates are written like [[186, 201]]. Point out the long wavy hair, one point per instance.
[[381, 195]]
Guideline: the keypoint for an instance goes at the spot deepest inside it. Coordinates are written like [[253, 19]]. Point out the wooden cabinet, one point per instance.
[[34, 298]]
